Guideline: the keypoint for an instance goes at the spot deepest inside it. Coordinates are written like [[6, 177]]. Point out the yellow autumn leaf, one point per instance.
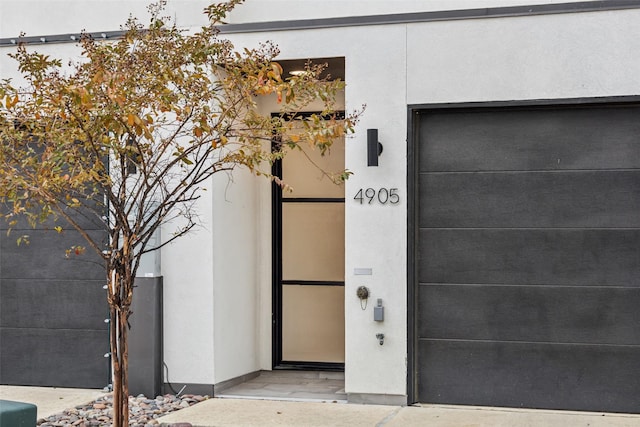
[[294, 138], [8, 102]]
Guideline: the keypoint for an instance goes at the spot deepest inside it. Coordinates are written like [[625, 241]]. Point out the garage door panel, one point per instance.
[[66, 358], [581, 377], [528, 256], [44, 256], [543, 139], [590, 315], [593, 199], [85, 218], [52, 309], [58, 304], [519, 257]]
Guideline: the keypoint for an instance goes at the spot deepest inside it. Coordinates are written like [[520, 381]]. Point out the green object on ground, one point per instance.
[[17, 414]]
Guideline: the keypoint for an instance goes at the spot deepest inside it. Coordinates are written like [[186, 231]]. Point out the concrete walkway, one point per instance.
[[267, 413], [49, 400], [236, 412]]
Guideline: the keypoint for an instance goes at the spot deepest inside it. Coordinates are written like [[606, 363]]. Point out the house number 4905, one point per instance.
[[380, 195]]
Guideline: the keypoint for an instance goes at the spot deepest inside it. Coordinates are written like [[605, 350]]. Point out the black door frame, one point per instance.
[[276, 267], [413, 143]]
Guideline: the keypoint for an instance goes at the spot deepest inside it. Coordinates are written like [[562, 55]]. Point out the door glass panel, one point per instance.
[[313, 241], [304, 174], [313, 323]]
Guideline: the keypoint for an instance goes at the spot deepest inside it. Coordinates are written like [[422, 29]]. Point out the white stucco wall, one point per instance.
[[236, 237], [50, 17], [375, 233], [188, 299], [537, 57]]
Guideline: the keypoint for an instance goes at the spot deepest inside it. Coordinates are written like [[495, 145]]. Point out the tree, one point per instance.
[[132, 132]]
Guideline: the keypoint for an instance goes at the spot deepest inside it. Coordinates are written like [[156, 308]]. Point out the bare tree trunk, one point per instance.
[[116, 368], [120, 364], [120, 304], [124, 364]]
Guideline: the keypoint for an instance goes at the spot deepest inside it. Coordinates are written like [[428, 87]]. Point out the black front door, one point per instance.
[[309, 261]]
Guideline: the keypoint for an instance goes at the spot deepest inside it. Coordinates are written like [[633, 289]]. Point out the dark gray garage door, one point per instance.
[[52, 311], [528, 257]]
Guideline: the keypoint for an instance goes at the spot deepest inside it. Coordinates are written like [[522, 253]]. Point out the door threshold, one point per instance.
[[280, 399], [291, 385], [310, 366]]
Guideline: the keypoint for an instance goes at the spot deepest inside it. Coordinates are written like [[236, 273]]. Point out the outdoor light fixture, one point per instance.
[[374, 148]]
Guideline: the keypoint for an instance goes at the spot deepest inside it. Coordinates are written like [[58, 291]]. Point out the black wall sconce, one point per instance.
[[374, 148]]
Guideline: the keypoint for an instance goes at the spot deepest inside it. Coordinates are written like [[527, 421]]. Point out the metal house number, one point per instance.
[[382, 196]]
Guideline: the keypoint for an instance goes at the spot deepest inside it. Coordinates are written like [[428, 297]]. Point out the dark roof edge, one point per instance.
[[60, 38], [351, 21], [444, 15]]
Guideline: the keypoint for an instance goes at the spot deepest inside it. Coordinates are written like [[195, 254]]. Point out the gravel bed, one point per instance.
[[142, 411]]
